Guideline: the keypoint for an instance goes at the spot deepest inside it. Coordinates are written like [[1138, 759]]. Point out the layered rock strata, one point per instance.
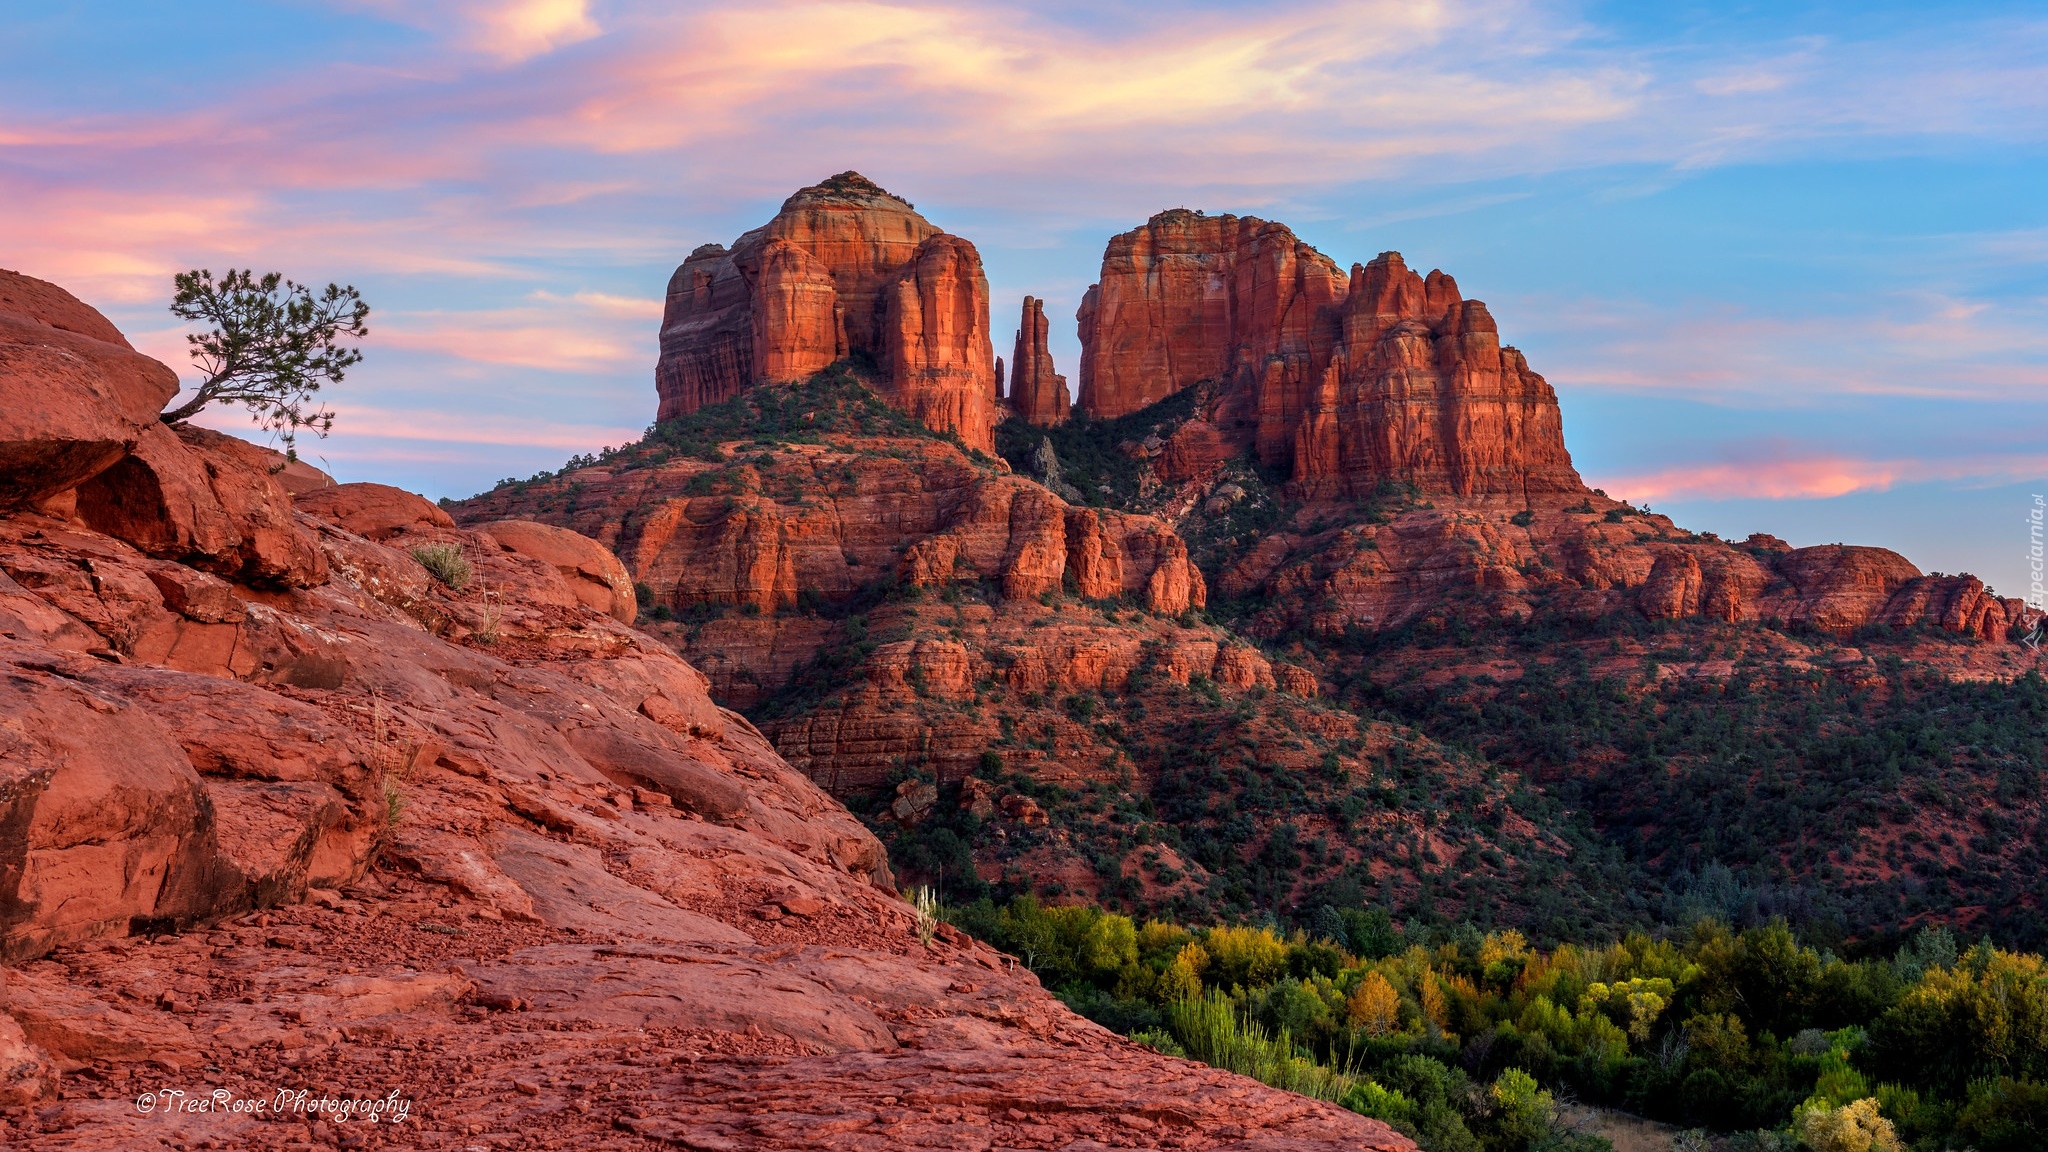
[[1588, 559], [844, 269], [287, 812], [828, 521], [1037, 393], [1421, 390]]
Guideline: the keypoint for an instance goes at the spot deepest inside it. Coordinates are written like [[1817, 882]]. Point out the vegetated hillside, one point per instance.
[[1854, 794], [1006, 737], [1857, 784], [1241, 635], [1467, 1039]]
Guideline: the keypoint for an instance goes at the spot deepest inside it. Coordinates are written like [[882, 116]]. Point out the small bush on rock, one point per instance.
[[445, 563]]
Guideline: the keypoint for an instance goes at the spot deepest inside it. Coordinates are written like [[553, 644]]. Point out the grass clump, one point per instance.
[[446, 563]]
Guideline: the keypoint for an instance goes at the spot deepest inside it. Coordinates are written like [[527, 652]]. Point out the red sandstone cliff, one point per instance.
[[1420, 389], [1037, 393], [1382, 376], [1189, 297], [1588, 558], [844, 268], [284, 810]]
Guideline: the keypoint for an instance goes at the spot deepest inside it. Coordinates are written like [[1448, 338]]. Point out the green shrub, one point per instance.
[[1161, 1041], [446, 563], [2005, 1115]]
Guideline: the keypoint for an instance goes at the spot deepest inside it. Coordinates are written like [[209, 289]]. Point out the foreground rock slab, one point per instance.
[[308, 846]]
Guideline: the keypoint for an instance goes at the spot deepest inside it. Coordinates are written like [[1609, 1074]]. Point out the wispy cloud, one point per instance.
[[1817, 476], [1925, 345], [478, 428], [553, 340]]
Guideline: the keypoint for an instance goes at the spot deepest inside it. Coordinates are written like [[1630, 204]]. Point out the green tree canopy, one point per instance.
[[270, 345]]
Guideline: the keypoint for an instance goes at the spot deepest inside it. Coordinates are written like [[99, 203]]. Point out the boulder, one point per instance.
[[208, 499], [373, 511], [77, 397], [597, 576], [106, 822], [25, 1071]]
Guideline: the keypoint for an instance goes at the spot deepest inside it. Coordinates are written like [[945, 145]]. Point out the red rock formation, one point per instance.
[[1190, 297], [1384, 376], [1037, 393], [95, 396], [596, 576], [358, 820], [1479, 561], [1422, 391], [207, 499], [813, 525], [377, 511], [843, 268], [828, 520]]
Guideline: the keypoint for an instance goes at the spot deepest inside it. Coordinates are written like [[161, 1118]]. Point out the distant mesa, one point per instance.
[[843, 270]]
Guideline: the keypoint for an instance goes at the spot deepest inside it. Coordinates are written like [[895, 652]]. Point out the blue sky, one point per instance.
[[1786, 264]]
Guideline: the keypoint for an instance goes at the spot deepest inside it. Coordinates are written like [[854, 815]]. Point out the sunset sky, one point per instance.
[[1786, 264]]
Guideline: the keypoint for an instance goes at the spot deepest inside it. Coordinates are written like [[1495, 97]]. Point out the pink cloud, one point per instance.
[[1817, 476], [357, 423], [523, 337], [539, 141]]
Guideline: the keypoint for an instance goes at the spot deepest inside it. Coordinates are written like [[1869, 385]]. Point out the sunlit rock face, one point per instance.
[[1350, 381], [1037, 392], [844, 269]]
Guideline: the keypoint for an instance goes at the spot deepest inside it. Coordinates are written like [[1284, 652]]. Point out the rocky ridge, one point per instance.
[[1426, 467], [287, 810]]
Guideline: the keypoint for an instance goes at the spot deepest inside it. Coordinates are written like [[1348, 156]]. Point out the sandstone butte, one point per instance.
[[285, 812], [1381, 375], [1037, 393], [881, 601], [843, 270]]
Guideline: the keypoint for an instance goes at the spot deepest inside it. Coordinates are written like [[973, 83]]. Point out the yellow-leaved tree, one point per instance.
[[1854, 1127], [1374, 1006]]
